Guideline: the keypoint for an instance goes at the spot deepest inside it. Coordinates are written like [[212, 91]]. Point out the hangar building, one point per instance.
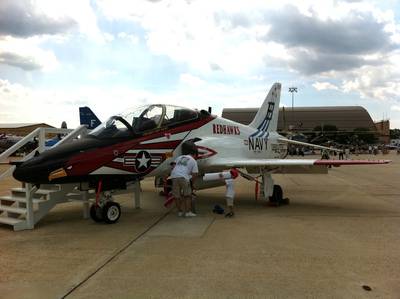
[[21, 129], [306, 119]]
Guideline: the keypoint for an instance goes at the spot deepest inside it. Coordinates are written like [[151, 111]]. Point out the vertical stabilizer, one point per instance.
[[88, 118], [266, 119]]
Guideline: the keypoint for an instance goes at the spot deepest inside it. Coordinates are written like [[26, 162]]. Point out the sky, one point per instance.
[[112, 55]]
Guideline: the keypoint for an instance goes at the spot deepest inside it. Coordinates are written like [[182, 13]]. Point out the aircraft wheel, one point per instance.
[[111, 212], [96, 213], [277, 196]]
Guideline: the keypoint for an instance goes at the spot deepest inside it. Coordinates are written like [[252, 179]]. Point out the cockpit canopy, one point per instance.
[[143, 119]]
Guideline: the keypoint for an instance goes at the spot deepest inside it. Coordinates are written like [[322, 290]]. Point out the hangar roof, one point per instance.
[[20, 125], [345, 118]]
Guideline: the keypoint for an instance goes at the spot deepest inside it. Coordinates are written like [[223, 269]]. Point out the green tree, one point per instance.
[[395, 134], [325, 133], [364, 135]]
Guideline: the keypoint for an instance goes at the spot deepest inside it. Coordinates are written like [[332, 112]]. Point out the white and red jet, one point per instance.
[[142, 143]]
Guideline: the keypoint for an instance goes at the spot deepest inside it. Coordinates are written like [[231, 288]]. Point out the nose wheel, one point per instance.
[[96, 213], [105, 210], [111, 212]]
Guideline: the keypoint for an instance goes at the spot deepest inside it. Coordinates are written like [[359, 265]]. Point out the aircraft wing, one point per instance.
[[290, 165], [293, 162]]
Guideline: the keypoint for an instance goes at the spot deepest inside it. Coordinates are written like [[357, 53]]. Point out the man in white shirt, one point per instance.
[[185, 169]]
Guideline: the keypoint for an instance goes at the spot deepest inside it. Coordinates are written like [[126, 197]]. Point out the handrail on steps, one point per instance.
[[40, 134]]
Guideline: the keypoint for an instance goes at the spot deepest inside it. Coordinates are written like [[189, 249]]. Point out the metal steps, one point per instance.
[[9, 198], [10, 221], [24, 207], [12, 210], [23, 211]]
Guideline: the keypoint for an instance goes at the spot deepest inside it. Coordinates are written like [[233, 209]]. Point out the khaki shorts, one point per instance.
[[181, 187], [229, 201]]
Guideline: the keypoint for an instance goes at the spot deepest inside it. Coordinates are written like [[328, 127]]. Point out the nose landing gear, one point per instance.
[[105, 210]]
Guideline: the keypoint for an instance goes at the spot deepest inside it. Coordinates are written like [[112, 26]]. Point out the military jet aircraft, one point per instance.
[[142, 143], [8, 140]]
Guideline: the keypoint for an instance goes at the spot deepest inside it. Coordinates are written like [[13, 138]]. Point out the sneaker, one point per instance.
[[180, 214], [229, 215], [190, 214]]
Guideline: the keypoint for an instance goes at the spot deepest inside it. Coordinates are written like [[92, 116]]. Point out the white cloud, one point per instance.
[[395, 108], [191, 80], [102, 74], [189, 32], [55, 105], [108, 37], [235, 37], [79, 10], [324, 85], [27, 54], [374, 82], [208, 41], [129, 37]]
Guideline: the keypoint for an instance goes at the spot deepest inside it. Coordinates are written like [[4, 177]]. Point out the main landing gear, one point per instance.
[[271, 192], [105, 209], [277, 197]]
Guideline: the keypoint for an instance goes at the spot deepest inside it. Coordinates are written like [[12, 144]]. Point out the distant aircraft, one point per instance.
[[8, 140], [142, 143], [53, 141], [88, 118]]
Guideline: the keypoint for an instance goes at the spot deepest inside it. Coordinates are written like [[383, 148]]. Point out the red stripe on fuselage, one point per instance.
[[86, 162]]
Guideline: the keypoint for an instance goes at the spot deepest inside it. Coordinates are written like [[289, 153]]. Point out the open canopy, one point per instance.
[[143, 119]]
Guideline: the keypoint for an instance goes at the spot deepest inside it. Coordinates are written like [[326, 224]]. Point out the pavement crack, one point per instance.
[[112, 257]]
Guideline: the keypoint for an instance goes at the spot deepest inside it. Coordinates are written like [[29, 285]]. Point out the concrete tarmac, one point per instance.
[[340, 232]]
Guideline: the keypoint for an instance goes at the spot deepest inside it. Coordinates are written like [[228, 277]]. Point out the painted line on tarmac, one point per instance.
[[111, 258]]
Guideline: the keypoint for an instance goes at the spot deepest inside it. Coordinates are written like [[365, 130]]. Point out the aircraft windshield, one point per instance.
[[143, 119], [114, 127]]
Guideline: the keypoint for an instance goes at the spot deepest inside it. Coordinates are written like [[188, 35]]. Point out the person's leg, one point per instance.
[[188, 200], [176, 191], [229, 204], [188, 204]]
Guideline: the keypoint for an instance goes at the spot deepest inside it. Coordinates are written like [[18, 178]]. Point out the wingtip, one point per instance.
[[350, 162]]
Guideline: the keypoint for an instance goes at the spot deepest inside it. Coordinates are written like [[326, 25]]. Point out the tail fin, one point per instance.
[[87, 117], [266, 119]]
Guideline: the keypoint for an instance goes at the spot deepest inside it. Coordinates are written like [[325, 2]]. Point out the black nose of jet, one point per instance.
[[37, 169], [30, 172]]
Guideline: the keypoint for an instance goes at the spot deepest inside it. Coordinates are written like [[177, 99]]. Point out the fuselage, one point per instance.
[[132, 156]]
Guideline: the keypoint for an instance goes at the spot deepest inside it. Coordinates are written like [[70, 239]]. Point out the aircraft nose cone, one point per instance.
[[26, 173], [18, 173], [37, 169]]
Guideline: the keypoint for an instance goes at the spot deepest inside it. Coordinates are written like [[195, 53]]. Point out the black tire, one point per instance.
[[277, 196], [111, 212], [285, 201], [96, 213]]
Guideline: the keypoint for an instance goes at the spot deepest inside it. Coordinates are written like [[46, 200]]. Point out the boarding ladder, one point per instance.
[[26, 205]]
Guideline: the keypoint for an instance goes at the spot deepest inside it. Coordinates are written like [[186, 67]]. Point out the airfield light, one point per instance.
[[292, 90]]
